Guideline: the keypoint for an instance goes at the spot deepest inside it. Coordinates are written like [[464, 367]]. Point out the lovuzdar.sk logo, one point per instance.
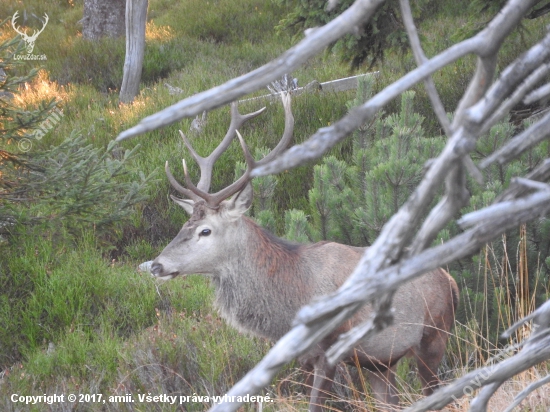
[[29, 39]]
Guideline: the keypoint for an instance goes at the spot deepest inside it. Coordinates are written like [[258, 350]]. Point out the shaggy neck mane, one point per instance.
[[275, 256], [269, 271]]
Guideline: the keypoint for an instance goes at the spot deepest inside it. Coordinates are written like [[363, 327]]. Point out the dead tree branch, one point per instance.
[[375, 275], [402, 251], [524, 393], [535, 350], [316, 40]]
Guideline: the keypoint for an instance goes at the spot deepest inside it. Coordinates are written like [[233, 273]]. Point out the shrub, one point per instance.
[[354, 195]]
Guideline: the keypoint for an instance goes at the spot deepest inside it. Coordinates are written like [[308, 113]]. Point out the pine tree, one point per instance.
[[352, 199], [350, 202], [73, 185], [17, 123], [17, 126]]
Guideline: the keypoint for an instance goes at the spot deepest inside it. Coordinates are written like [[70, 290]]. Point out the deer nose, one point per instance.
[[156, 269], [159, 271]]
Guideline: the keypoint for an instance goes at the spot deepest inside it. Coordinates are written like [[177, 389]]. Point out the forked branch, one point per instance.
[[387, 265], [347, 22]]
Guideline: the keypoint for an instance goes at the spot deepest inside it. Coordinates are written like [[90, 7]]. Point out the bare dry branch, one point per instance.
[[535, 350], [500, 209], [456, 196], [421, 58], [516, 97], [541, 318], [519, 144], [511, 77], [480, 402], [524, 393], [387, 264], [539, 174], [347, 22], [539, 94], [377, 272]]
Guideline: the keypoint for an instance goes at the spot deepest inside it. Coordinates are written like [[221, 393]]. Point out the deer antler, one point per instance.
[[287, 133], [200, 191]]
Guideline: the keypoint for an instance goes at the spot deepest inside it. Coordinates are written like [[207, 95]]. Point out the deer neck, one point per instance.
[[265, 283]]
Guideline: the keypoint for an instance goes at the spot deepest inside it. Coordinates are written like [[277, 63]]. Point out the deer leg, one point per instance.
[[307, 368], [322, 383], [428, 357], [384, 388], [427, 370]]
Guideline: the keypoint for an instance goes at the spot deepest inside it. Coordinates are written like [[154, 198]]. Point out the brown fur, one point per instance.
[[261, 282], [276, 256]]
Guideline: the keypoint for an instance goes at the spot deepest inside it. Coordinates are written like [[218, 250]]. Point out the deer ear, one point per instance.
[[241, 202], [186, 204]]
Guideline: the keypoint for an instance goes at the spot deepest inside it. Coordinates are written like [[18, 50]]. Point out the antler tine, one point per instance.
[[195, 155], [250, 162], [179, 188], [237, 120], [201, 194], [200, 191], [206, 164], [213, 200], [287, 134]]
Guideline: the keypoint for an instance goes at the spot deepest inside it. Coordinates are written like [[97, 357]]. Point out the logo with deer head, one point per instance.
[[29, 39]]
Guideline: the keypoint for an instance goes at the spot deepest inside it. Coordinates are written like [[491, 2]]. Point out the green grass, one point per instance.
[[75, 314]]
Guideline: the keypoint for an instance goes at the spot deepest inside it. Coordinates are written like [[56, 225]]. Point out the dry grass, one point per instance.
[[39, 89], [354, 395], [538, 400]]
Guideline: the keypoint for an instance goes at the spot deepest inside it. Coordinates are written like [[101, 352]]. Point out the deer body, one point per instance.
[[262, 281]]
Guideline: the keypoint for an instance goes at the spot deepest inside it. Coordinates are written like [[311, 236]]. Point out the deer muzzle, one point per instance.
[[158, 271]]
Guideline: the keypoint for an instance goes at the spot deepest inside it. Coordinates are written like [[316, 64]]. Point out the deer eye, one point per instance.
[[205, 232]]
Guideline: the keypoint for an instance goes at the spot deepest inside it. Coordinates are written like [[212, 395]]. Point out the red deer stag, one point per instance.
[[262, 281]]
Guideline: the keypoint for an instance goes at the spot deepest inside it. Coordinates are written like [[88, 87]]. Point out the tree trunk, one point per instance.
[[136, 19], [103, 18]]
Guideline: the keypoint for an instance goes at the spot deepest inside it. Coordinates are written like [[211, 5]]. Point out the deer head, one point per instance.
[[29, 39], [206, 235]]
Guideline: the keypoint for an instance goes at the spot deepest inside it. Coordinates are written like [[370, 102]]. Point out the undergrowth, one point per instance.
[[75, 314]]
